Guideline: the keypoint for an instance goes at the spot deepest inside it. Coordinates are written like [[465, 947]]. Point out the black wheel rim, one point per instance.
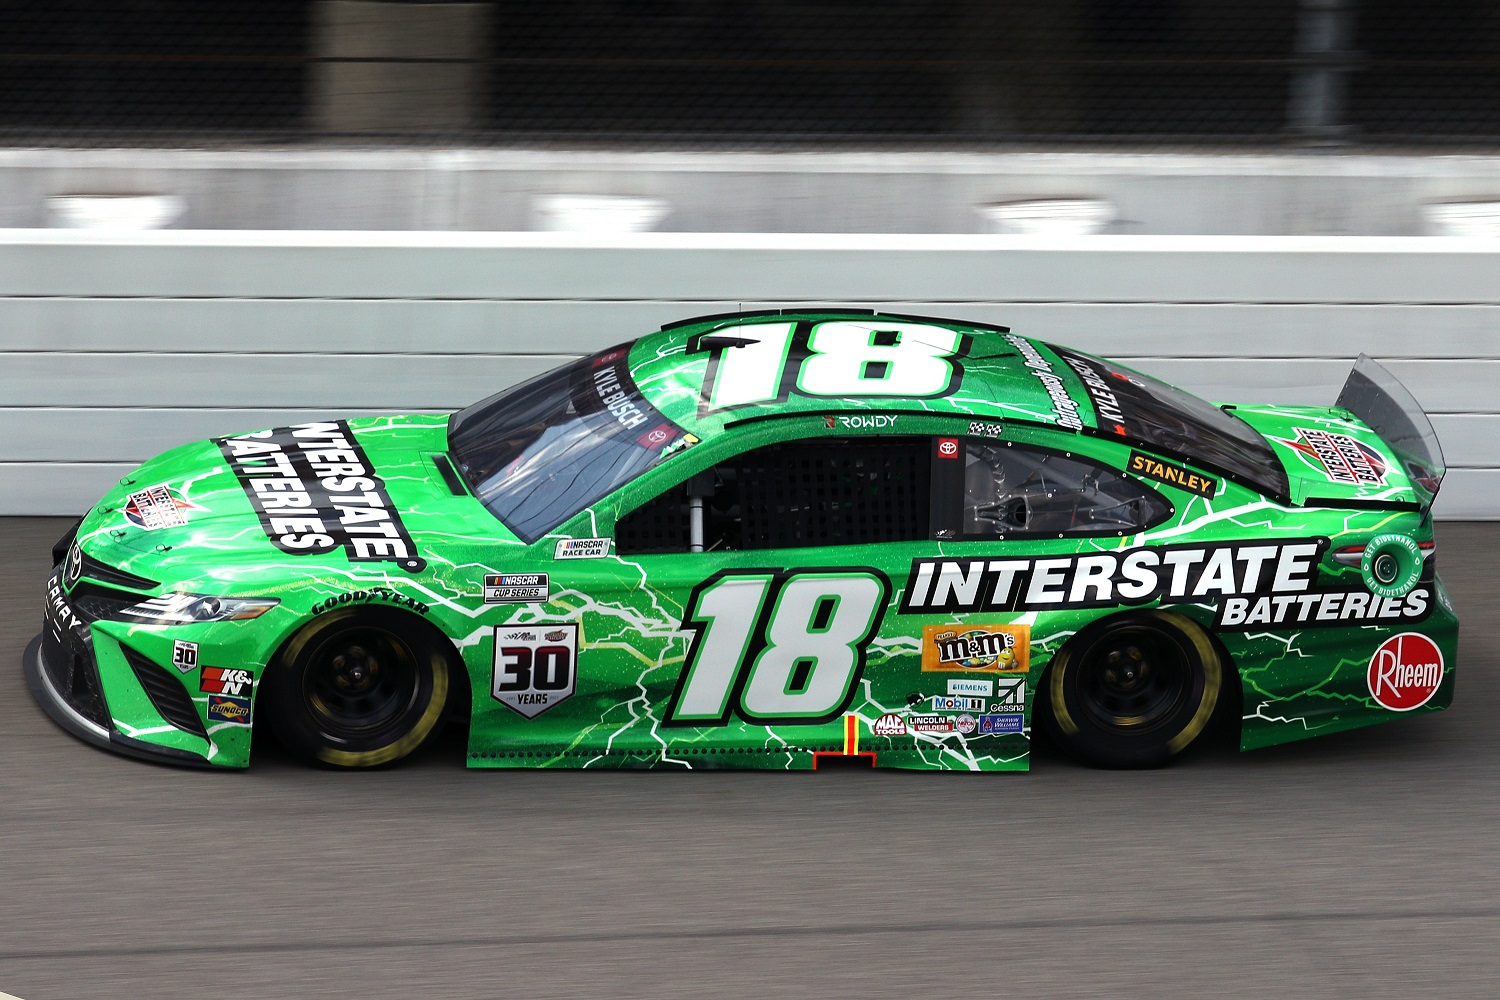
[[360, 683], [1133, 679]]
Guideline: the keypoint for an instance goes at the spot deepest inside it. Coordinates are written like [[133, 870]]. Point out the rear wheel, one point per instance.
[[1132, 690], [358, 687]]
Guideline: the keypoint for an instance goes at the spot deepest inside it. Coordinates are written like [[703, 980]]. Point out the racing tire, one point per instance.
[[1132, 691], [359, 688]]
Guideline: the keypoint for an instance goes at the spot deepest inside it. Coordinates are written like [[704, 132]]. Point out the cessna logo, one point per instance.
[[315, 491]]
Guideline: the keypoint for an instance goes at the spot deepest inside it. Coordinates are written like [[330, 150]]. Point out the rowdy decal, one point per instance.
[[315, 491], [977, 648], [515, 588], [1064, 409], [1405, 672], [776, 647], [1172, 474], [1173, 573], [1344, 459], [860, 421], [535, 668], [158, 507]]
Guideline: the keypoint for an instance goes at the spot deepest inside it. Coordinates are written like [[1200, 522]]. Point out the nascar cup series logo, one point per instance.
[[1405, 672]]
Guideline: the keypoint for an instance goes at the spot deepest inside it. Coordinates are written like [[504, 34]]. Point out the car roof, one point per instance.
[[999, 375]]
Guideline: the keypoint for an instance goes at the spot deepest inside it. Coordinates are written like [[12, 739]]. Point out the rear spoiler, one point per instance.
[[1378, 398]]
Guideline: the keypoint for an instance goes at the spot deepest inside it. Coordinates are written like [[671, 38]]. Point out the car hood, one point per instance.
[[335, 494], [1329, 457]]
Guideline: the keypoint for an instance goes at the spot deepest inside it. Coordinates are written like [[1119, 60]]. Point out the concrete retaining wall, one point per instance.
[[114, 348]]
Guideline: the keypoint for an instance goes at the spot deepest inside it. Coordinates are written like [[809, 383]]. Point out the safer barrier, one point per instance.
[[116, 347]]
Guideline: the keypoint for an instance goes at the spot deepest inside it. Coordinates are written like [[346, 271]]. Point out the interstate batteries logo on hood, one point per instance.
[[316, 491]]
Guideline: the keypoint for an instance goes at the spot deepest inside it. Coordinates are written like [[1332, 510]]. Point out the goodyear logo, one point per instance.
[[1172, 474]]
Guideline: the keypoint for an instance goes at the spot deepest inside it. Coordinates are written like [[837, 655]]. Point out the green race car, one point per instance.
[[767, 540]]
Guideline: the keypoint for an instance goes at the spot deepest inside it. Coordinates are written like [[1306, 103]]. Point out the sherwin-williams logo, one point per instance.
[[1172, 474], [1405, 672], [316, 491], [978, 648], [1343, 458]]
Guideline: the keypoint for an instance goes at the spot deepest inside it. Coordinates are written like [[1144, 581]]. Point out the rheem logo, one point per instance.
[[1405, 672]]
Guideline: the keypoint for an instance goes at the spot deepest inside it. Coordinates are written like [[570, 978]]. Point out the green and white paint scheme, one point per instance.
[[581, 654]]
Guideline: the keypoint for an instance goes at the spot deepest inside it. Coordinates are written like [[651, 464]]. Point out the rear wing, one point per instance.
[[1375, 396]]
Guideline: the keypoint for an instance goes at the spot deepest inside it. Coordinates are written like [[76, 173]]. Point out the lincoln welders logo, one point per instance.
[[1345, 459], [316, 491]]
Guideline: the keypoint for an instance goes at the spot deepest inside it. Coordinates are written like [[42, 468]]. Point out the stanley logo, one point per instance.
[[1172, 474]]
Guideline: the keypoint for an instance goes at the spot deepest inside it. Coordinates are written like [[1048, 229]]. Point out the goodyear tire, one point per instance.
[[1132, 690], [359, 687]]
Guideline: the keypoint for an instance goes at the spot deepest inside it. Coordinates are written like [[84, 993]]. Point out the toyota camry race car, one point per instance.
[[764, 540]]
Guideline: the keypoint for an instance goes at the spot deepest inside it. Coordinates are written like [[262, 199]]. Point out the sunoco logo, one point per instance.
[[1405, 672]]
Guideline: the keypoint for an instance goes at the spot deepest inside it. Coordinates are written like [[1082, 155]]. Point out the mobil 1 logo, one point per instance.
[[535, 667]]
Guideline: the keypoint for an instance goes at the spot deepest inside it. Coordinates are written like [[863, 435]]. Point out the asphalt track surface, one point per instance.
[[1360, 865]]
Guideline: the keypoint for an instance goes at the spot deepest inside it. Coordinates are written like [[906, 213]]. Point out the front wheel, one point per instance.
[[358, 687], [1133, 690]]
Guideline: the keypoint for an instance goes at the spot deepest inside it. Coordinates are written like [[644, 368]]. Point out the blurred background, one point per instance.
[[1358, 117]]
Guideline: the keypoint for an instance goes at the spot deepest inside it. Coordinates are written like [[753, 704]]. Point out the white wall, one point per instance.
[[114, 348]]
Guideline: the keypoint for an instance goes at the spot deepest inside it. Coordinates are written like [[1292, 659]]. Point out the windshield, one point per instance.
[[540, 452], [1139, 408]]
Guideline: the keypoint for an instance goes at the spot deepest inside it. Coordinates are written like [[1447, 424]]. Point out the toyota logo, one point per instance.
[[73, 569]]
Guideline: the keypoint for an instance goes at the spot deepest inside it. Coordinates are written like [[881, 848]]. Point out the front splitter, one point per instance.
[[90, 732]]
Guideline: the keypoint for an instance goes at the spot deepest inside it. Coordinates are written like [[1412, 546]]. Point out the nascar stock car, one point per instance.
[[766, 540]]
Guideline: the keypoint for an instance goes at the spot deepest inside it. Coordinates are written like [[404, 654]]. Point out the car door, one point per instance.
[[805, 540]]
